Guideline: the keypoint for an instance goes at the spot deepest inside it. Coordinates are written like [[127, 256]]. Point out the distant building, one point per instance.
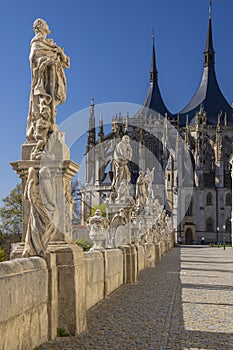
[[205, 129]]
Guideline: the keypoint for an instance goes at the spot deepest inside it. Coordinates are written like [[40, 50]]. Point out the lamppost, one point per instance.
[[224, 236], [231, 162], [217, 228]]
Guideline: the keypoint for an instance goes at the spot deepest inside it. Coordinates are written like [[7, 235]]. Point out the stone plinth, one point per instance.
[[129, 264], [62, 172], [71, 286], [150, 255]]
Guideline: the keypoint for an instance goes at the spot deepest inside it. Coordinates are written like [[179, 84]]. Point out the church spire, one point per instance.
[[208, 93], [91, 129], [210, 9], [153, 70], [154, 100], [209, 53]]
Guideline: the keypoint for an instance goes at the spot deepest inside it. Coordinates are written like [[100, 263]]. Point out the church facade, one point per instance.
[[189, 151]]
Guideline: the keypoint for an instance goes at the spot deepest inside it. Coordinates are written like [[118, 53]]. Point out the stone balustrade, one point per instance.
[[38, 296]]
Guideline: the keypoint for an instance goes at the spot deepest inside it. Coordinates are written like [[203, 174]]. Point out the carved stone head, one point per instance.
[[40, 26]]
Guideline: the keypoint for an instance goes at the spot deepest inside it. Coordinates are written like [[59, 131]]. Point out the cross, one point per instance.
[[210, 9]]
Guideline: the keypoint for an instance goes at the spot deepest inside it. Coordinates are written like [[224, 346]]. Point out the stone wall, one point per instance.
[[94, 267], [39, 296], [113, 268], [23, 298]]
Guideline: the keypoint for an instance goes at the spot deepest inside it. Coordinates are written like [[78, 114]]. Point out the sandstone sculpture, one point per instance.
[[141, 193], [48, 86], [149, 177], [122, 155], [97, 225], [41, 228]]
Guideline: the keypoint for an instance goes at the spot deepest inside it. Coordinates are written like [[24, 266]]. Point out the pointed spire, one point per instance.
[[101, 130], [225, 119], [153, 70], [92, 115], [91, 128], [210, 9], [209, 52]]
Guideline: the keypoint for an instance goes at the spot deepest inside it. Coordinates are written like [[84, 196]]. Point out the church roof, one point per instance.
[[208, 94], [153, 98]]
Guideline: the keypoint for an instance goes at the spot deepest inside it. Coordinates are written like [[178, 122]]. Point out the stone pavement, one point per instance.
[[186, 302]]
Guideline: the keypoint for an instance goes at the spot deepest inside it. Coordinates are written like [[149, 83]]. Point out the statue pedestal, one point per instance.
[[62, 172], [69, 282]]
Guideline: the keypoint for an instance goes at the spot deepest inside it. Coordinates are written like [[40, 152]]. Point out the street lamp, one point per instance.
[[217, 228], [231, 162], [224, 236]]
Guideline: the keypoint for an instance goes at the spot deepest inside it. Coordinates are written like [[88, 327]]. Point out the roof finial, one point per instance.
[[210, 9], [153, 70]]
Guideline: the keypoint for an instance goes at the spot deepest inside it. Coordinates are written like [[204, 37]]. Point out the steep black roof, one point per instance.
[[153, 98], [208, 93]]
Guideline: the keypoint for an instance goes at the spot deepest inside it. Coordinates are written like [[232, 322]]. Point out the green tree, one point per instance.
[[10, 219], [101, 206], [11, 212], [2, 255]]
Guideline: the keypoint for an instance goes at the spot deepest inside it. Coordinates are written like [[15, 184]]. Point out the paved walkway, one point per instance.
[[186, 302]]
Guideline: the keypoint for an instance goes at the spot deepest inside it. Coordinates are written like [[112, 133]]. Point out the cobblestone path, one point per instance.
[[186, 302]]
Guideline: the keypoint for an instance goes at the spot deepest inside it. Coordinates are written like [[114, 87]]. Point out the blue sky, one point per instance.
[[109, 43]]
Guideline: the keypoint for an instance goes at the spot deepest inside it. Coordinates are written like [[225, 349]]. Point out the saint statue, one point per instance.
[[48, 86], [122, 155], [41, 228], [141, 191], [149, 177]]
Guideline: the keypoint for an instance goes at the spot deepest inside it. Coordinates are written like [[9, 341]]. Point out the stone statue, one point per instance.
[[48, 86], [149, 207], [119, 228], [41, 228], [122, 155], [123, 194], [141, 192], [149, 177], [119, 219]]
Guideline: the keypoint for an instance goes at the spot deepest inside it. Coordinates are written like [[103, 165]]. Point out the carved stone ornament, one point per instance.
[[98, 226]]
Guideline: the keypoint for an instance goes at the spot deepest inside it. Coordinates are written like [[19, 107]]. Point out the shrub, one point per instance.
[[61, 332], [83, 243]]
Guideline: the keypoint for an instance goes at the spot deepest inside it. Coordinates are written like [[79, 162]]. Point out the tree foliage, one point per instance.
[[2, 255], [10, 219], [11, 211], [101, 206]]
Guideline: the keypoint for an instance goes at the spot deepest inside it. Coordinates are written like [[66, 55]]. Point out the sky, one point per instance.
[[109, 44]]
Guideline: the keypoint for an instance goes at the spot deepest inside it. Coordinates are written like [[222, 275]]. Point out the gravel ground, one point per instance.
[[185, 303]]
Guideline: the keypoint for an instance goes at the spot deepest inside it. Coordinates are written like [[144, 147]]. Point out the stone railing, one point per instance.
[[38, 296]]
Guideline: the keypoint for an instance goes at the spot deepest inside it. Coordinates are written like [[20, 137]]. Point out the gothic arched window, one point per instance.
[[209, 199], [228, 199], [209, 225]]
